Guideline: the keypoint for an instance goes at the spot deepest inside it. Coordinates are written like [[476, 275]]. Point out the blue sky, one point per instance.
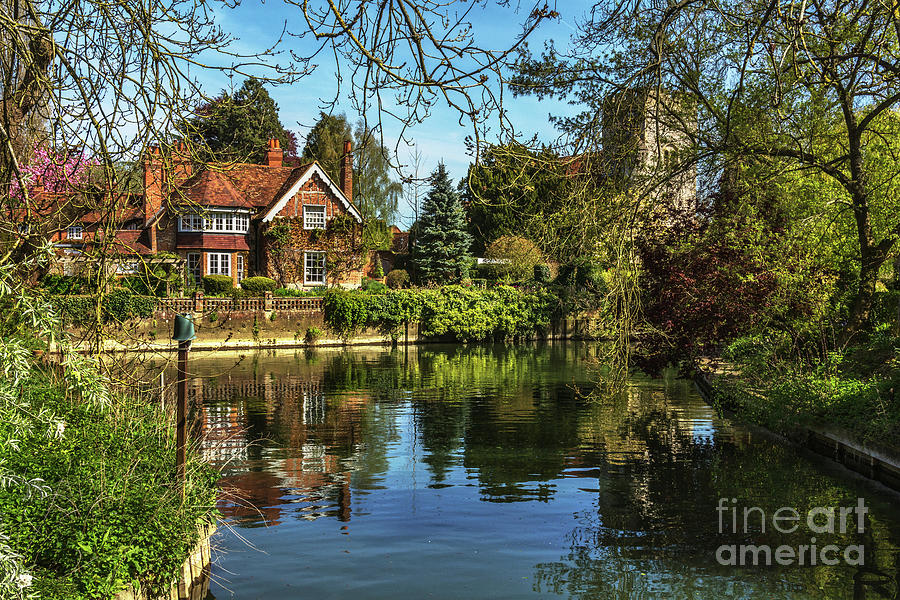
[[256, 24]]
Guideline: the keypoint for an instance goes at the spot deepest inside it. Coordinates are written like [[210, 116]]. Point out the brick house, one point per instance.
[[291, 223]]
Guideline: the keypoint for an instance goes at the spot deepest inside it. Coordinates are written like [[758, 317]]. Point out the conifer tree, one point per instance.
[[441, 252]]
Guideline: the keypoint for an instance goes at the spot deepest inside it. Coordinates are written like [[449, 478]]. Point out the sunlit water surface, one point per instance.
[[488, 472]]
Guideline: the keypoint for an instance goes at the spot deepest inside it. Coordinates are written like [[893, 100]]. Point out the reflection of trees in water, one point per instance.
[[654, 530]]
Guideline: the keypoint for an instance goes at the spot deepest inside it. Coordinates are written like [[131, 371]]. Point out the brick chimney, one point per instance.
[[275, 155], [182, 168], [153, 182], [347, 171]]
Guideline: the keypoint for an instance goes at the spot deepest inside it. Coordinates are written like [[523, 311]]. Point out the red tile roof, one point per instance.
[[263, 185], [210, 188], [212, 241]]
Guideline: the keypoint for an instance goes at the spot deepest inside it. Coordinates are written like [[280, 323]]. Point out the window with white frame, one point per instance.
[[75, 232], [239, 267], [215, 221], [314, 268], [193, 266], [313, 216], [218, 263]]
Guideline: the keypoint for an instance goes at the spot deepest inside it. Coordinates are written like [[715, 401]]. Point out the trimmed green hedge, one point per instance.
[[452, 312], [259, 284], [217, 285], [117, 306]]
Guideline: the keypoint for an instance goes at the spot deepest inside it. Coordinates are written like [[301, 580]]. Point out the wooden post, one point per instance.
[[181, 411]]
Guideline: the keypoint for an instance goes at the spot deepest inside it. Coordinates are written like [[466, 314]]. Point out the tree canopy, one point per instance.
[[238, 126]]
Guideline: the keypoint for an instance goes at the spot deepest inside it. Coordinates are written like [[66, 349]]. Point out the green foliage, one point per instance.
[[217, 285], [517, 191], [313, 335], [298, 293], [396, 279], [372, 285], [582, 273], [66, 284], [374, 193], [379, 270], [454, 312], [442, 245], [86, 536], [259, 285], [325, 143], [542, 273], [239, 127], [514, 259], [117, 306]]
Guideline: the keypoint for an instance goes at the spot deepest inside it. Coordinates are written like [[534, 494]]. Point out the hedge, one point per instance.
[[259, 284], [217, 285], [452, 312], [117, 306]]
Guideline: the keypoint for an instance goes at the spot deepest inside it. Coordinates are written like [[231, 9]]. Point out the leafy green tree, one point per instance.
[[801, 85], [239, 126], [374, 193], [442, 245], [325, 143]]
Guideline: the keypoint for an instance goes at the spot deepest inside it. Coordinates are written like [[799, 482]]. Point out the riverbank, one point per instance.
[[724, 387], [90, 504]]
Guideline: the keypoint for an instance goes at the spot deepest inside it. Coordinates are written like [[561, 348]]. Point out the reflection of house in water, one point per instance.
[[282, 448]]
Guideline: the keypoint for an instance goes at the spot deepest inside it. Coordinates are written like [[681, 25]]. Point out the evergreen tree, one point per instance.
[[238, 127], [442, 245]]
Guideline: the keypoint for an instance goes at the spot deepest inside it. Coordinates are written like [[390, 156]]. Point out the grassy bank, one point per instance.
[[88, 502], [855, 390]]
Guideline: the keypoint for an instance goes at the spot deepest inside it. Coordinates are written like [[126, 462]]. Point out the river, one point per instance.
[[491, 472]]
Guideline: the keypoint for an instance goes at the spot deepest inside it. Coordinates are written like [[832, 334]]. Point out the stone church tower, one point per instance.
[[647, 146]]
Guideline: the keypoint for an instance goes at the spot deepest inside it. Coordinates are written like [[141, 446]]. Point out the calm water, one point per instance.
[[449, 472]]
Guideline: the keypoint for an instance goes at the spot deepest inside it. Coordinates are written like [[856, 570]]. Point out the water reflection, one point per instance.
[[488, 472]]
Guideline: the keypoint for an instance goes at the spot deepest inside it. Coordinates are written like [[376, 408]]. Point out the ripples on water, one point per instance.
[[486, 472]]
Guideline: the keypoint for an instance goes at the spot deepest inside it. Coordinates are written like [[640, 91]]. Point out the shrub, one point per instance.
[[515, 258], [396, 279], [217, 285], [121, 305], [85, 535], [66, 284], [259, 285], [313, 335], [371, 285], [542, 273], [298, 293], [583, 272]]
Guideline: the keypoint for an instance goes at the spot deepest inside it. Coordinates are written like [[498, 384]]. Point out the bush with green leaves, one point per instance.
[[217, 285], [372, 285], [259, 285], [66, 284], [299, 293], [396, 279], [511, 258]]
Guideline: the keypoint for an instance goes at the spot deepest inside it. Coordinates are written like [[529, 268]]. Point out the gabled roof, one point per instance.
[[210, 188], [293, 184]]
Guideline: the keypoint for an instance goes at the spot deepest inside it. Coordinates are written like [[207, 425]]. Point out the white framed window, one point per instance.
[[239, 267], [218, 221], [314, 268], [218, 263], [75, 232], [313, 216], [193, 266]]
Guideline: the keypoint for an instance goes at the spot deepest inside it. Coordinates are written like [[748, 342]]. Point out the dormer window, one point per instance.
[[313, 216], [75, 232]]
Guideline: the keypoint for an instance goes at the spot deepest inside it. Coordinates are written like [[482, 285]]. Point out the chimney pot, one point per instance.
[[275, 155]]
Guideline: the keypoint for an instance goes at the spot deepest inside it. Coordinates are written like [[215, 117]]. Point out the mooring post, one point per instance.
[[184, 333]]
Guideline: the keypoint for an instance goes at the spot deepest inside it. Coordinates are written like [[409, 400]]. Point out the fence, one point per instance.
[[198, 303]]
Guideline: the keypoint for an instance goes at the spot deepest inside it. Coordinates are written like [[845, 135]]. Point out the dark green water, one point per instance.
[[450, 472]]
